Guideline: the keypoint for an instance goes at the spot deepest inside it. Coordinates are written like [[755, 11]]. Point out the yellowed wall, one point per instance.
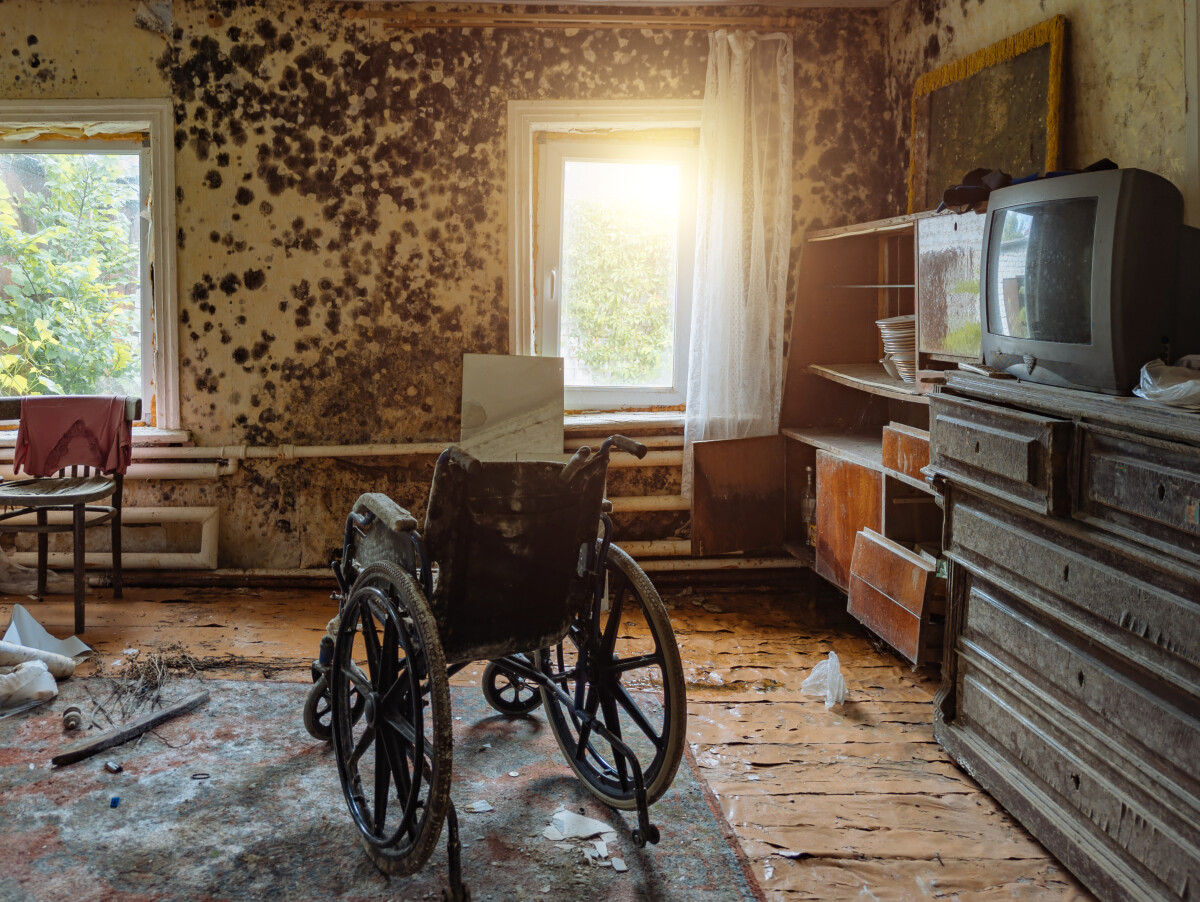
[[1124, 94]]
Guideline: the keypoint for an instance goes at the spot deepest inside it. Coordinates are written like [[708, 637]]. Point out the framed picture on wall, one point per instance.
[[999, 108]]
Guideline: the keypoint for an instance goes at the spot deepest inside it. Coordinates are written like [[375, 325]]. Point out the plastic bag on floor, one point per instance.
[[826, 679], [1178, 386]]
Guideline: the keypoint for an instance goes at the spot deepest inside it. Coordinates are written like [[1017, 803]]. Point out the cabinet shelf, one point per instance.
[[869, 377], [862, 446]]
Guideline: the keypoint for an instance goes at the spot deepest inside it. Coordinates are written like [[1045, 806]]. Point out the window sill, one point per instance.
[[142, 436], [618, 420]]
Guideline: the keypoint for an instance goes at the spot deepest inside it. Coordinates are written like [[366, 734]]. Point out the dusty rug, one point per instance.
[[269, 820]]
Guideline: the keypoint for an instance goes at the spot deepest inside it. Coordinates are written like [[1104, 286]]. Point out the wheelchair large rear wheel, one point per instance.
[[634, 685], [395, 761]]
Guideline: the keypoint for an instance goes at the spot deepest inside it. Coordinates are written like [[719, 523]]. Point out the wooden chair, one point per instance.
[[75, 488]]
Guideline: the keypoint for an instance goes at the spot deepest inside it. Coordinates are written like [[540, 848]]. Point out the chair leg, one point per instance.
[[43, 546], [116, 550], [78, 519]]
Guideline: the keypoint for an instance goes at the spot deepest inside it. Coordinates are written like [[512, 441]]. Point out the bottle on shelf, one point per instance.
[[808, 508]]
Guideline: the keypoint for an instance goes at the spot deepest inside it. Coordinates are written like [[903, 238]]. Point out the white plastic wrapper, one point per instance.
[[1178, 385], [826, 679], [27, 683]]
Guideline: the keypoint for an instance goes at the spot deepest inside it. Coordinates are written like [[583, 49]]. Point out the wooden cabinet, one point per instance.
[[1071, 676], [838, 404]]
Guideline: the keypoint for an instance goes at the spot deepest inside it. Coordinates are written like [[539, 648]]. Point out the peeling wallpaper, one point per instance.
[[1124, 86], [342, 210]]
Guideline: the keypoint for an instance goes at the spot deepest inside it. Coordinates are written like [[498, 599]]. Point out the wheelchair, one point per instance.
[[515, 566]]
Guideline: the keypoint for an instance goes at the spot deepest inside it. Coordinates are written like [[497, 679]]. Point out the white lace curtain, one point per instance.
[[743, 241]]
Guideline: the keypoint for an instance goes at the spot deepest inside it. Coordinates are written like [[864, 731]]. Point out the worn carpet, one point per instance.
[[269, 820]]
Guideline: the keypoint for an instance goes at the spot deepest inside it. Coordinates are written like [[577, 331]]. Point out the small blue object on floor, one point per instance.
[[116, 800]]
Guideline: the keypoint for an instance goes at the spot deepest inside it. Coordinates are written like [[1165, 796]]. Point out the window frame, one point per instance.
[[605, 149], [155, 117], [526, 121]]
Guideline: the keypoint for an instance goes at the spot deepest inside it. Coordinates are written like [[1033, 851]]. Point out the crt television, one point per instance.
[[1086, 277]]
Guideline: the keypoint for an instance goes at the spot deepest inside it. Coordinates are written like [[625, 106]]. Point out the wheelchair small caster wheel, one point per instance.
[[509, 692], [318, 712], [651, 836]]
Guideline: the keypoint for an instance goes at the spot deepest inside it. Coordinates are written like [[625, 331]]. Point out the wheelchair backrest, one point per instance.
[[509, 539]]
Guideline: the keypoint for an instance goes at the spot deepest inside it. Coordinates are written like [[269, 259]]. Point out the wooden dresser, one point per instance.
[[1071, 673]]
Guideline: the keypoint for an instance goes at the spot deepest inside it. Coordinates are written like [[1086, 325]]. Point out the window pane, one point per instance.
[[70, 274], [619, 253]]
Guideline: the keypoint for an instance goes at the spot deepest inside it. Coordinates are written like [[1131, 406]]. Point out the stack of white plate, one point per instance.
[[900, 344]]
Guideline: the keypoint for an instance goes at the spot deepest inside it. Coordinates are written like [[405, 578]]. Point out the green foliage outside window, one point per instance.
[[619, 291], [69, 274]]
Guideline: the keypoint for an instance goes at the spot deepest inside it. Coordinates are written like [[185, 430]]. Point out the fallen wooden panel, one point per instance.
[[890, 592]]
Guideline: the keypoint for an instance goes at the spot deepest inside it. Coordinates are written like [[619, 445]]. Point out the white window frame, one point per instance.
[[526, 120], [156, 118]]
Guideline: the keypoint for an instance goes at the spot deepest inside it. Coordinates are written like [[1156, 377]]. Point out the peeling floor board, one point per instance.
[[878, 810]]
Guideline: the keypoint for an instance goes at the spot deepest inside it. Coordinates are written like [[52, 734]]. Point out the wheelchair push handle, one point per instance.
[[584, 454], [621, 443]]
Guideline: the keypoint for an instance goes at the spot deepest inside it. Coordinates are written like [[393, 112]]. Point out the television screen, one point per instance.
[[1040, 271]]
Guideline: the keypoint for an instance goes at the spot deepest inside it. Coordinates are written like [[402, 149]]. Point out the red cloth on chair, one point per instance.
[[63, 430]]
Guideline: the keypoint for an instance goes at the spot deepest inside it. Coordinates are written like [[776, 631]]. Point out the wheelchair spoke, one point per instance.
[[613, 722], [623, 665], [382, 783], [360, 749], [608, 641], [371, 641], [635, 714]]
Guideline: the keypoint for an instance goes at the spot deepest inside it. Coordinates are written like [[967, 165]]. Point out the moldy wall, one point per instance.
[[342, 212], [1124, 70]]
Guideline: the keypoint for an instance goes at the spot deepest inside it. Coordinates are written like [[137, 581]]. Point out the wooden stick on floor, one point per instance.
[[131, 730]]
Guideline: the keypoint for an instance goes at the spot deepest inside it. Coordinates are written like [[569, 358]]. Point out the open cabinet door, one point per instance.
[[738, 495]]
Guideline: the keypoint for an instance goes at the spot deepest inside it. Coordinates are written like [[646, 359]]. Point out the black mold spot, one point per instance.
[[244, 196], [31, 40], [207, 382], [253, 278], [230, 283], [932, 47], [212, 179], [240, 355], [222, 159]]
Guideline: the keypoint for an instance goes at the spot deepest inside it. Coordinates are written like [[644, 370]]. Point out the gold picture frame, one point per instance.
[[978, 112]]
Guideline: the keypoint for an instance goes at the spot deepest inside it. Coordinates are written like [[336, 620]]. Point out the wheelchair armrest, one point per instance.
[[387, 511]]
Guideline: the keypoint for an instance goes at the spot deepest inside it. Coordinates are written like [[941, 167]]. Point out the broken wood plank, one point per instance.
[[131, 730]]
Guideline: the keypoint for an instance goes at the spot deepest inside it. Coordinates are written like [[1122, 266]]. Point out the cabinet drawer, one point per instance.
[[895, 593], [1121, 602], [1088, 697], [1144, 489], [1091, 793], [905, 450], [1020, 457]]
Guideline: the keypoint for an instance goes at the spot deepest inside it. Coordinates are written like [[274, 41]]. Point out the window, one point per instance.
[[604, 232], [86, 297]]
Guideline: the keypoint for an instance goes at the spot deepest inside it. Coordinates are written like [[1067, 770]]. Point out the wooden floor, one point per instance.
[[854, 803]]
